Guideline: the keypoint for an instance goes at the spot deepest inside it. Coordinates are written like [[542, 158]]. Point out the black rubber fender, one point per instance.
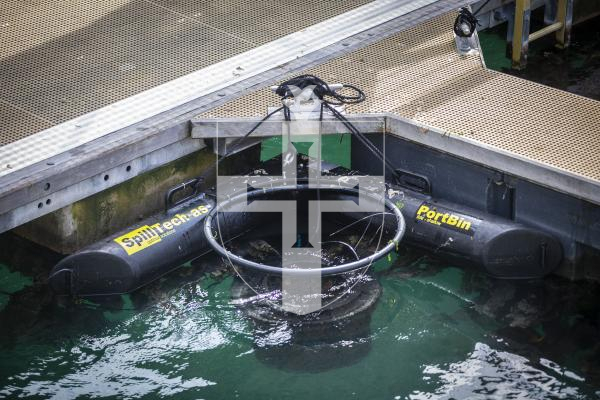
[[137, 255], [505, 248]]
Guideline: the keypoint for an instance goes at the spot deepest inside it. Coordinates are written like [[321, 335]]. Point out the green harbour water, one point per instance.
[[437, 332]]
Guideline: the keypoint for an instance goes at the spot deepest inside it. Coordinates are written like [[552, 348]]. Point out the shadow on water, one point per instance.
[[338, 335], [536, 338]]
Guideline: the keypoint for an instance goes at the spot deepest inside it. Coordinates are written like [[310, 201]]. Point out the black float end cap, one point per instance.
[[522, 253]]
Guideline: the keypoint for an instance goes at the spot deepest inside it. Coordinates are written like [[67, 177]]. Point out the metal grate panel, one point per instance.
[[13, 119], [62, 59], [417, 74], [260, 22]]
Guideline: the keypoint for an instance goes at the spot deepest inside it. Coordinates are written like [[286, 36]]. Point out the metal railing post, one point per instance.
[[564, 15], [520, 40]]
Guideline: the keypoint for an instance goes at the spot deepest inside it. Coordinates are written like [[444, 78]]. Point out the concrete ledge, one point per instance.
[[89, 220]]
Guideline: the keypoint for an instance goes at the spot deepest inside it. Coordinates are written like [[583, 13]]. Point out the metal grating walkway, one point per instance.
[[63, 59], [418, 75], [66, 60]]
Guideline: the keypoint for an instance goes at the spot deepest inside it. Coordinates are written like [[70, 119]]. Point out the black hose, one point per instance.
[[321, 90], [364, 140], [328, 98]]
